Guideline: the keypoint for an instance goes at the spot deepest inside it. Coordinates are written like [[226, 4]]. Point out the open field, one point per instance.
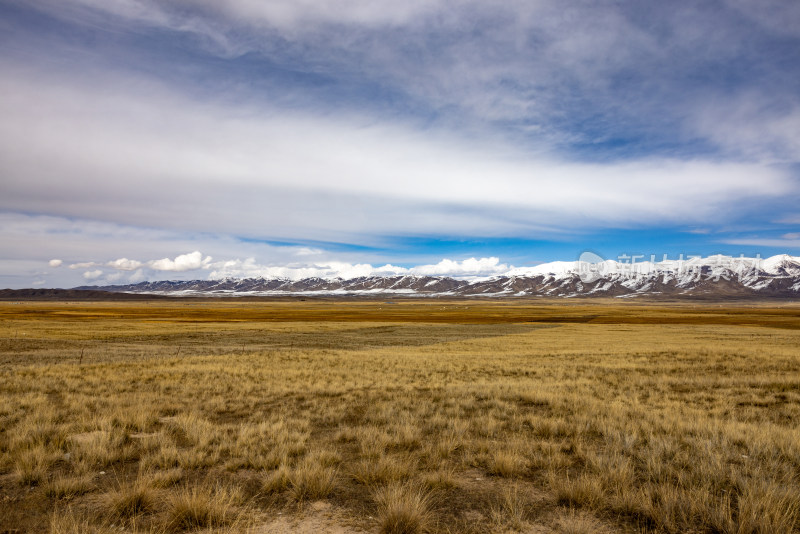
[[404, 416]]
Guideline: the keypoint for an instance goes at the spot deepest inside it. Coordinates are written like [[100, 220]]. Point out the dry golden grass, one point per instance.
[[203, 507], [430, 415], [131, 500], [511, 508], [311, 481], [403, 509], [165, 479], [373, 471], [277, 481], [573, 522], [67, 487], [507, 463]]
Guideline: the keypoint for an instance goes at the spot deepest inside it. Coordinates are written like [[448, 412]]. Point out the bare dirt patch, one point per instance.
[[315, 518]]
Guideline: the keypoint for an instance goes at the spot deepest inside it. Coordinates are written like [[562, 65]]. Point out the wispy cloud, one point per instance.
[[179, 164], [750, 126], [783, 243], [586, 74]]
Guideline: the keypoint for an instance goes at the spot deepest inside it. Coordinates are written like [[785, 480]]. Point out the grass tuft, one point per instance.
[[573, 522], [277, 481], [312, 481], [68, 487], [166, 478], [441, 479], [507, 464], [511, 508], [199, 507], [131, 500], [381, 470], [32, 465], [583, 491], [403, 509]]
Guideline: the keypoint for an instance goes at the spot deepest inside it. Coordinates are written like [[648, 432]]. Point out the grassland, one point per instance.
[[412, 416]]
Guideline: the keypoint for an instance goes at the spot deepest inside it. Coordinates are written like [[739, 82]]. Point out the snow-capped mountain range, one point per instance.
[[713, 276]]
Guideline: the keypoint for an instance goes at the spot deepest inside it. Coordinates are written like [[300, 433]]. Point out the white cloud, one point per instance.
[[284, 14], [181, 263], [113, 277], [247, 172], [55, 263], [28, 241], [469, 267], [83, 265], [138, 276], [249, 268], [124, 264], [294, 15], [515, 59], [306, 251], [184, 262]]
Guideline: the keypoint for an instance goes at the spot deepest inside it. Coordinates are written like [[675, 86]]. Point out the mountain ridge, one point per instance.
[[714, 276]]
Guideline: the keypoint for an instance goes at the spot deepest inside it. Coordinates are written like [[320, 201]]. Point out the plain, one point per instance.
[[418, 415]]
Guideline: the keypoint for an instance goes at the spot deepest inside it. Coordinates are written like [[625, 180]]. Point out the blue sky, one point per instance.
[[244, 138]]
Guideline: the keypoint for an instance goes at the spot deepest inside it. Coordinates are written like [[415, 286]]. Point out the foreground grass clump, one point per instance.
[[507, 464], [277, 481], [67, 487], [420, 416], [68, 521], [573, 522], [312, 481], [131, 500], [511, 508], [194, 507], [403, 509]]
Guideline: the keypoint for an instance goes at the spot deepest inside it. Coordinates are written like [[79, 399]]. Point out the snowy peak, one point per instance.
[[782, 264], [713, 276]]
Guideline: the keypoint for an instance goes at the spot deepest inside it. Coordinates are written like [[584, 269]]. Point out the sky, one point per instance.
[[147, 140]]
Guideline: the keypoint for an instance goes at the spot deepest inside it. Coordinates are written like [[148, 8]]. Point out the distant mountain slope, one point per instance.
[[71, 294], [712, 277]]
